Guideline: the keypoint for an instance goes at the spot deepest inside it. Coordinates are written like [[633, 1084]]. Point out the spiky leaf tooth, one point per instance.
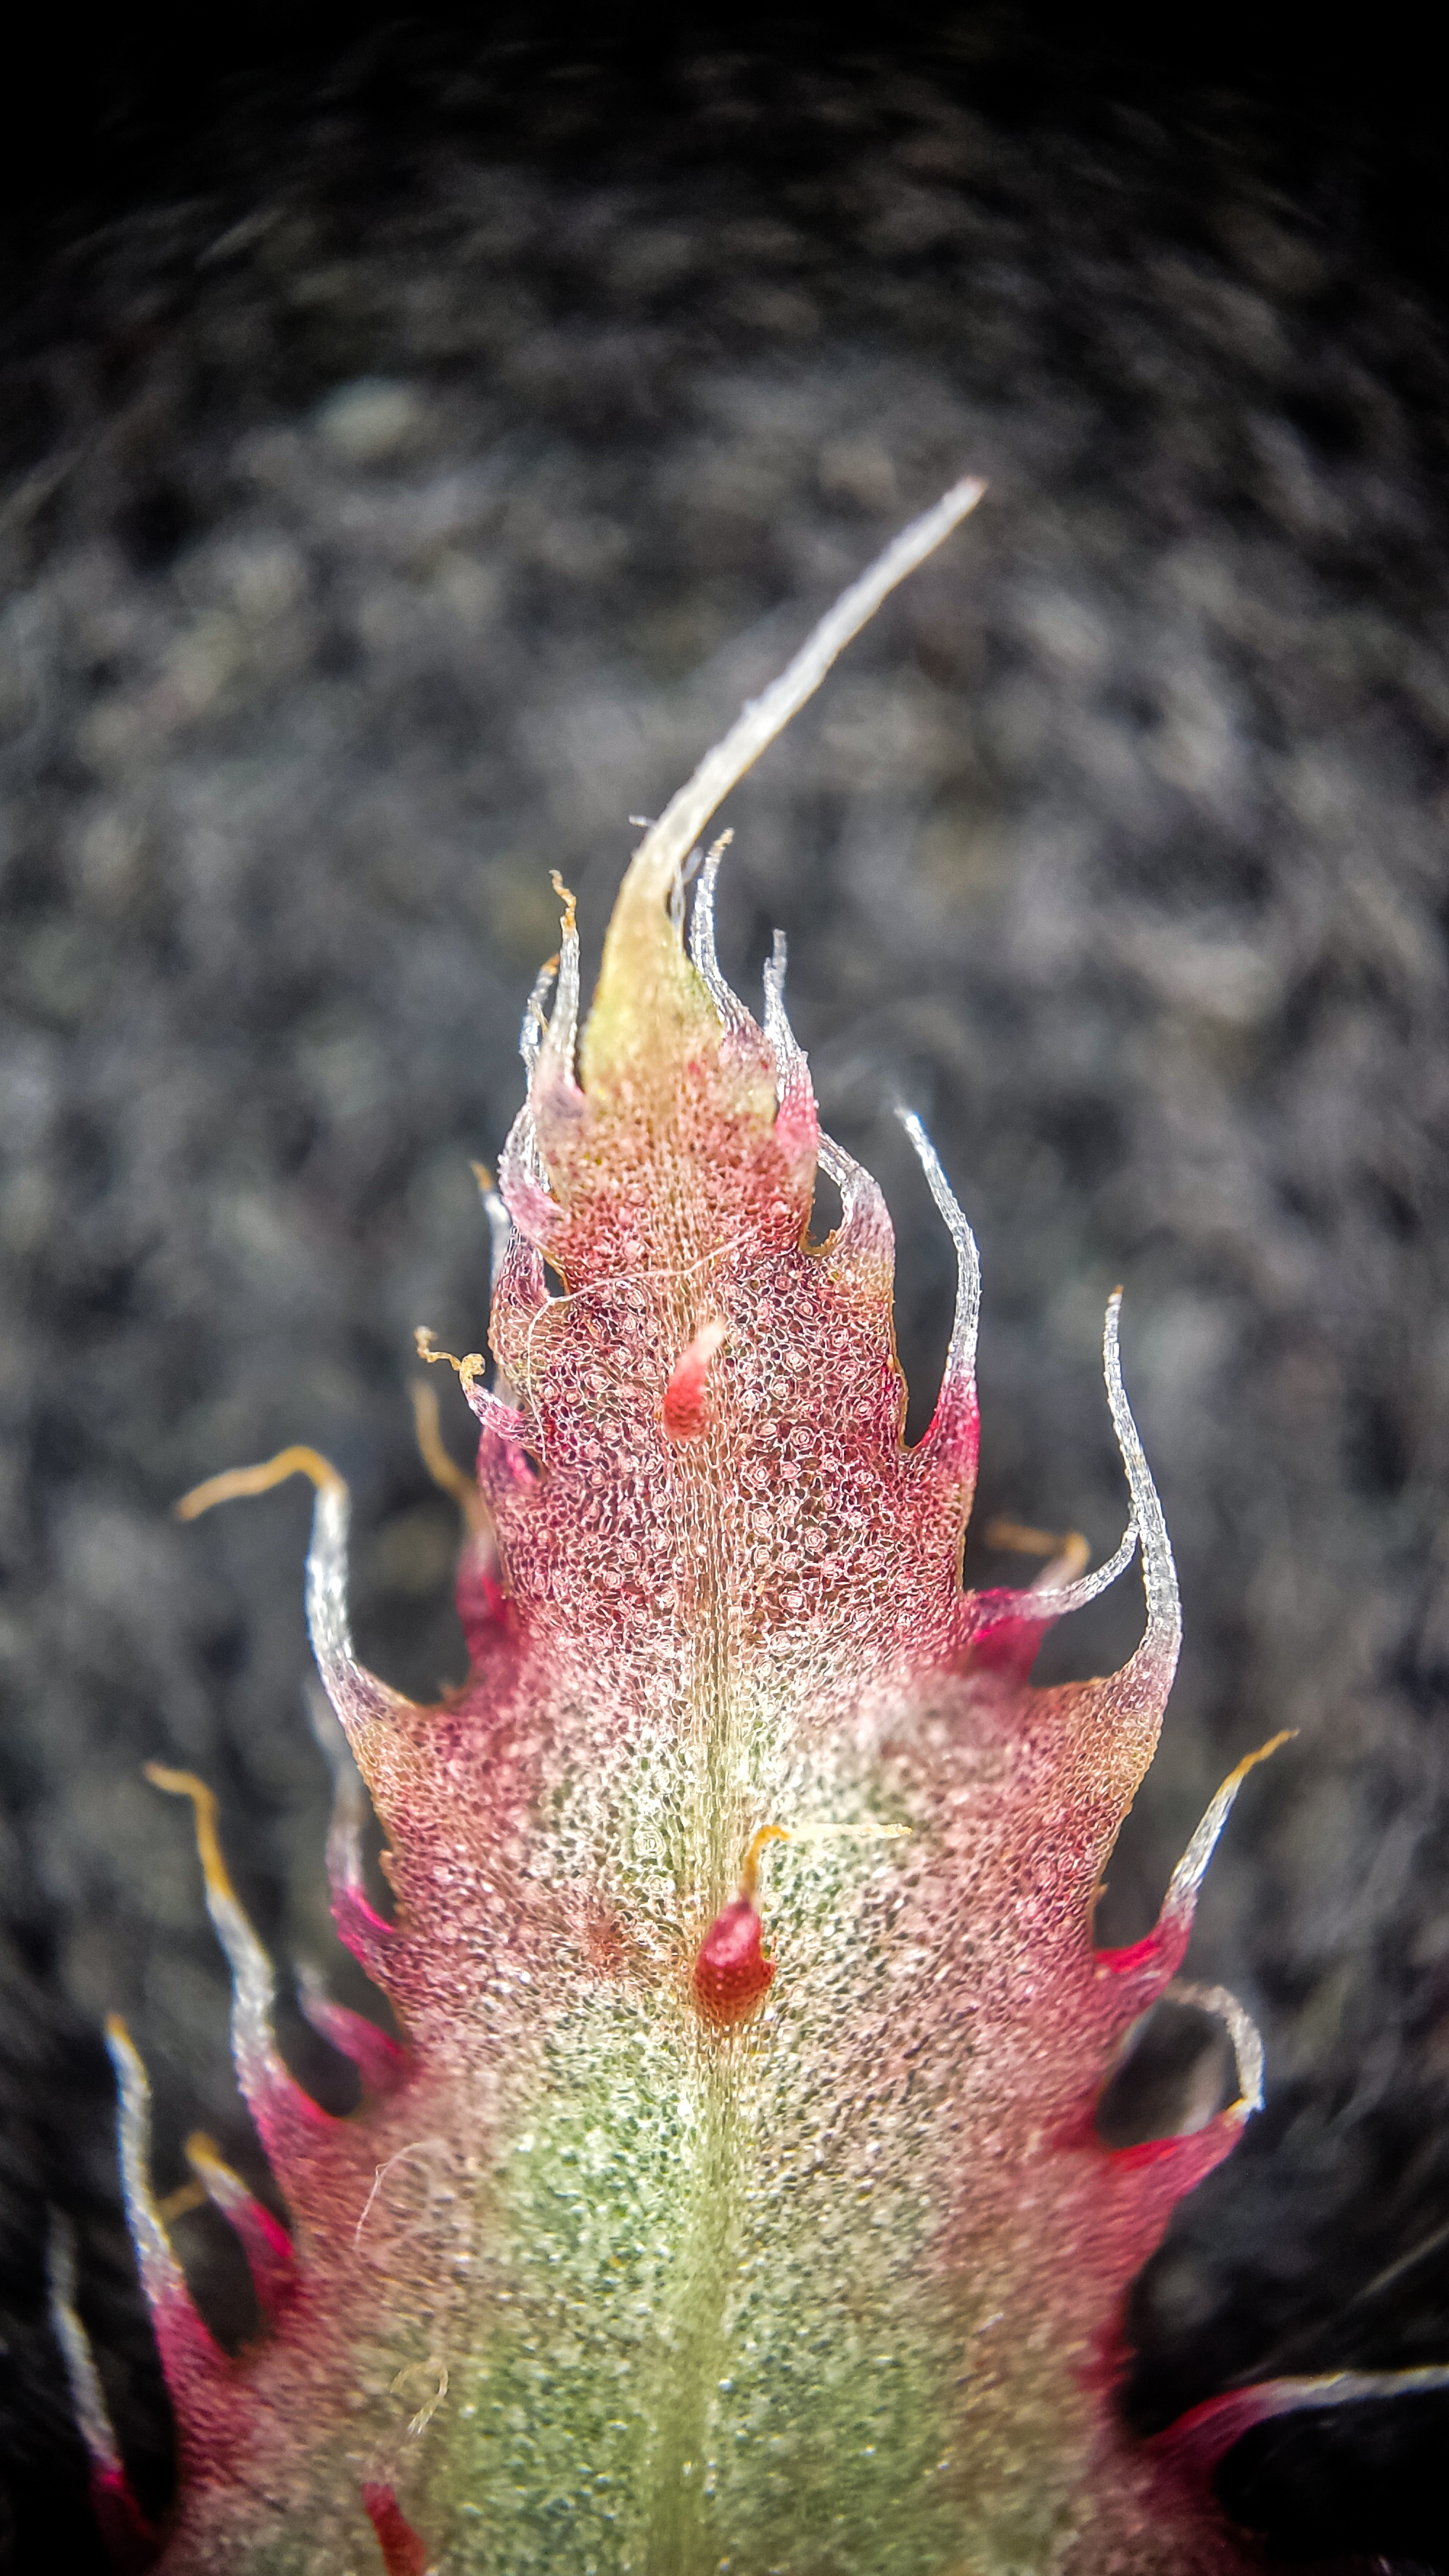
[[698, 2227]]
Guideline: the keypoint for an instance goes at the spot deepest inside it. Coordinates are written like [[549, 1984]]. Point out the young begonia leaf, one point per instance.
[[734, 2200]]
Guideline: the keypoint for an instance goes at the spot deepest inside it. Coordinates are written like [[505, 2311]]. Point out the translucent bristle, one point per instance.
[[959, 1375]]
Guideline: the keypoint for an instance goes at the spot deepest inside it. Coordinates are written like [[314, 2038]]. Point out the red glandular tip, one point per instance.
[[731, 1974], [686, 1409], [131, 2543], [403, 2554]]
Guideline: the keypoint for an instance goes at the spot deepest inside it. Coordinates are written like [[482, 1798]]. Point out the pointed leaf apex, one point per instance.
[[648, 991], [650, 1008]]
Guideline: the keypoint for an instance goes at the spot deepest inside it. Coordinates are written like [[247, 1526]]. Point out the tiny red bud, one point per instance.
[[687, 1409], [403, 2553], [731, 1974]]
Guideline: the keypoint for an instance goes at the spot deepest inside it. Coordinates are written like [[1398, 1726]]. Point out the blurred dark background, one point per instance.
[[419, 434]]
